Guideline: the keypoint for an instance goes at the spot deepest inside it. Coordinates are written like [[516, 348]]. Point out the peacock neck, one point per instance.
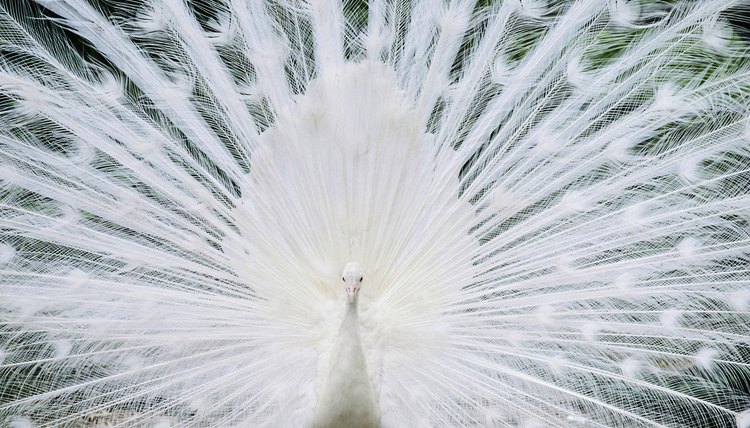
[[352, 307], [349, 345], [348, 398]]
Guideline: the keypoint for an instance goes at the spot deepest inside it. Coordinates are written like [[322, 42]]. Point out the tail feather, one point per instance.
[[549, 202]]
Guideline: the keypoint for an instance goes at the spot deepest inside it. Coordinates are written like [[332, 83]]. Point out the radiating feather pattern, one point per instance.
[[549, 200]]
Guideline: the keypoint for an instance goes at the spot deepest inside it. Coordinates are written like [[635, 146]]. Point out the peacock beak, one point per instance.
[[351, 290]]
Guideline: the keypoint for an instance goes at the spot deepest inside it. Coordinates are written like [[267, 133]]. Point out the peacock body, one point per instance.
[[548, 203]]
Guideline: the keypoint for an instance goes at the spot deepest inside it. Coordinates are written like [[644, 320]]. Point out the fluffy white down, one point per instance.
[[352, 135]]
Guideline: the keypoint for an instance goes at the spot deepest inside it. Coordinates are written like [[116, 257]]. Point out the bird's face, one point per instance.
[[352, 279]]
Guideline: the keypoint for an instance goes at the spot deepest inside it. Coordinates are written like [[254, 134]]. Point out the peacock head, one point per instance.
[[352, 279]]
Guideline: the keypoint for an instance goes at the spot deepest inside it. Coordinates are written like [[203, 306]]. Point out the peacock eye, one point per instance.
[[360, 279], [343, 279]]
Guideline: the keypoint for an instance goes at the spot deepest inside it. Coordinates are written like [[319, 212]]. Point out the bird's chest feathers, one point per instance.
[[347, 397]]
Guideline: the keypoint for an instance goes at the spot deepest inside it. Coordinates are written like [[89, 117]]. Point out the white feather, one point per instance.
[[549, 199]]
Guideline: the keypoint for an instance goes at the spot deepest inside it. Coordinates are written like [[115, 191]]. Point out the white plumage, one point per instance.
[[548, 203], [346, 397]]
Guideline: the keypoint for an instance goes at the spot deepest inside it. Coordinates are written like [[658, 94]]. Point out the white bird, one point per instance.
[[347, 398], [548, 204]]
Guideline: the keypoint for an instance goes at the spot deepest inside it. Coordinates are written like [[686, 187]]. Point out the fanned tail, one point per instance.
[[550, 202]]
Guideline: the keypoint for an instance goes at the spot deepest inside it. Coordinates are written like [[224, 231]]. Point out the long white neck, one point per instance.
[[348, 398]]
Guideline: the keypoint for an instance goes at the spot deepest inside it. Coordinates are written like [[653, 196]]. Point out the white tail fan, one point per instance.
[[549, 203]]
